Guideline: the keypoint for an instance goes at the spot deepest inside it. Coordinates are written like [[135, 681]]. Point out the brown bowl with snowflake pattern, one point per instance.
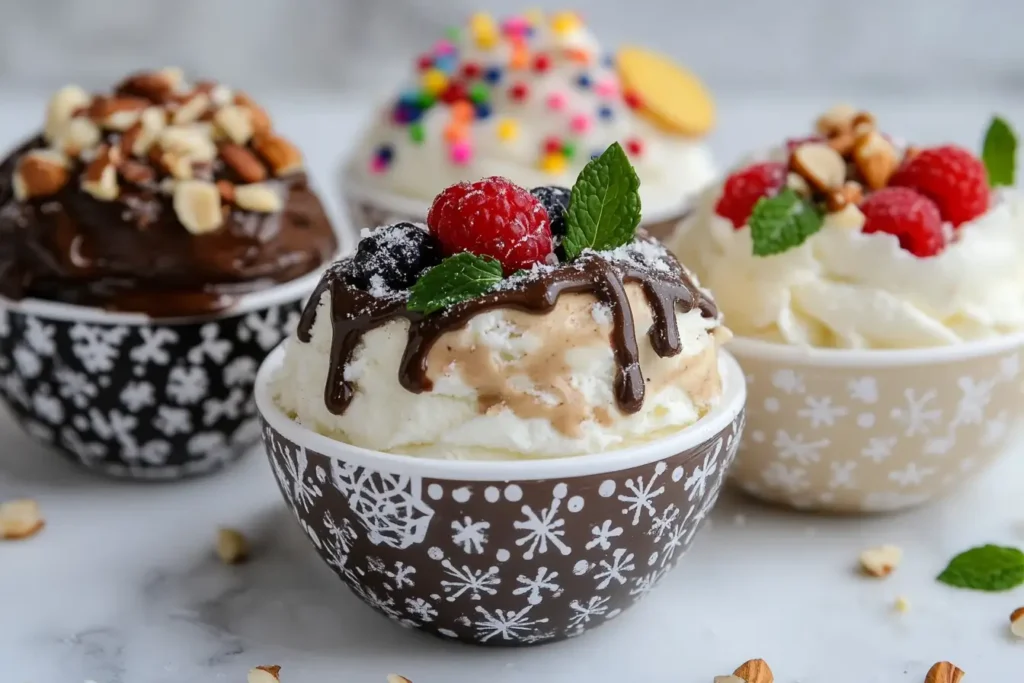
[[503, 553]]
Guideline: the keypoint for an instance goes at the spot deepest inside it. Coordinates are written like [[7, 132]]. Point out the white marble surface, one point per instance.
[[123, 586]]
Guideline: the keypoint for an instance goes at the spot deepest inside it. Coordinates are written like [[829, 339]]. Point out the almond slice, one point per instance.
[[192, 141], [264, 674], [197, 205], [395, 678], [235, 122], [61, 109], [258, 197], [232, 546], [880, 561], [280, 154], [40, 173], [820, 165], [755, 671], [875, 158], [837, 120], [260, 120], [944, 672], [193, 108], [20, 519], [1017, 622], [227, 191], [243, 162], [100, 179], [79, 135]]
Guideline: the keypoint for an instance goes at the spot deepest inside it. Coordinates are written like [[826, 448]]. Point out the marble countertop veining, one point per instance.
[[123, 585]]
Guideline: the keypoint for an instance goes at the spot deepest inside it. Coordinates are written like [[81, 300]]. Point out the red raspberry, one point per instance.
[[492, 217], [950, 176], [909, 215], [743, 189]]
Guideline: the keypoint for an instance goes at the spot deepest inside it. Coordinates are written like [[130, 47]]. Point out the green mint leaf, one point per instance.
[[999, 152], [454, 279], [987, 568], [604, 207], [782, 222]]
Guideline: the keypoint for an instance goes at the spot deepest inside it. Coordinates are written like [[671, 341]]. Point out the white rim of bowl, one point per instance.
[[734, 393], [747, 347], [274, 295], [353, 186]]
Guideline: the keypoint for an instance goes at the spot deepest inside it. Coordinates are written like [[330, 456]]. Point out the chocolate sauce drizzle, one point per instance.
[[355, 312]]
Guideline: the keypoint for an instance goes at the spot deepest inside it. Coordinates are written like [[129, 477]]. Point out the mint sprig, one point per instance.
[[457, 278], [999, 152], [604, 207], [990, 568], [782, 222]]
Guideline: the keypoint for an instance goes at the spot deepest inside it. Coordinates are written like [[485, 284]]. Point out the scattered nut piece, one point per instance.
[[117, 113], [843, 143], [197, 204], [395, 678], [260, 119], [880, 561], [729, 679], [282, 156], [232, 546], [190, 140], [863, 123], [78, 135], [875, 158], [227, 191], [243, 162], [62, 107], [190, 110], [40, 173], [1017, 622], [155, 86], [796, 182], [820, 165], [173, 75], [264, 674], [100, 179], [902, 604], [850, 194], [838, 119], [258, 197], [235, 122], [177, 165], [220, 95], [944, 672], [755, 671], [20, 519]]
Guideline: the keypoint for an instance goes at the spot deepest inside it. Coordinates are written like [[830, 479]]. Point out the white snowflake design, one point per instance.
[[211, 347], [582, 613], [976, 395], [662, 524], [788, 381], [794, 447], [170, 420], [842, 475], [820, 412], [187, 385], [789, 479], [97, 347], [389, 506], [534, 588], [641, 498], [507, 624], [338, 547], [864, 389], [697, 482], [40, 336], [603, 535], [918, 417], [266, 329], [240, 372], [879, 448], [616, 570], [401, 576], [75, 386], [290, 469], [151, 350], [542, 529], [469, 535], [911, 475], [420, 609], [474, 582], [230, 408]]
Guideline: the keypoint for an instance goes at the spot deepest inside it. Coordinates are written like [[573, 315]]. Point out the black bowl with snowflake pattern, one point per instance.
[[503, 553], [139, 398]]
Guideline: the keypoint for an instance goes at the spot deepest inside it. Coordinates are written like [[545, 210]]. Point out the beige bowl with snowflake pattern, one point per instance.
[[863, 431]]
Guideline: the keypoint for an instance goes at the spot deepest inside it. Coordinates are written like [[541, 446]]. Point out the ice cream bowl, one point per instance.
[[863, 431], [503, 552], [136, 397]]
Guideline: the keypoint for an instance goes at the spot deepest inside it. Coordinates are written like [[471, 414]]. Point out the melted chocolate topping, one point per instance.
[[667, 288]]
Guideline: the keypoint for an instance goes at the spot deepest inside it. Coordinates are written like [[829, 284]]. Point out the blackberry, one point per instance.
[[398, 254], [555, 200]]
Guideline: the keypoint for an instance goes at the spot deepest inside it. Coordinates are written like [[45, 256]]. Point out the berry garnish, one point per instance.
[[555, 200], [909, 215], [492, 217], [397, 254], [743, 188], [952, 177]]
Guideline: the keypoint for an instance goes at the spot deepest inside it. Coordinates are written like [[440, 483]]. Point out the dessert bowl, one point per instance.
[[156, 242], [876, 291], [502, 553], [532, 98]]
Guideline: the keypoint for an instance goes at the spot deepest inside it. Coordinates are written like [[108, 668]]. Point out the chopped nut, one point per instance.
[[100, 179], [190, 140], [177, 165], [155, 86], [836, 120], [136, 172], [221, 96], [264, 674], [755, 671], [197, 205], [243, 162], [796, 182], [78, 135], [875, 158], [40, 173], [62, 107], [235, 122], [395, 678], [862, 124], [260, 119], [20, 519], [258, 197], [227, 191], [729, 679], [843, 143], [137, 140], [173, 75], [851, 193], [117, 113], [820, 165], [944, 672], [190, 111], [232, 546], [1017, 622], [902, 604], [282, 156], [880, 561]]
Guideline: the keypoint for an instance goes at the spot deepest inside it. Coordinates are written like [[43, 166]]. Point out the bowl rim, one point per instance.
[[353, 186], [276, 294], [750, 347], [731, 403]]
